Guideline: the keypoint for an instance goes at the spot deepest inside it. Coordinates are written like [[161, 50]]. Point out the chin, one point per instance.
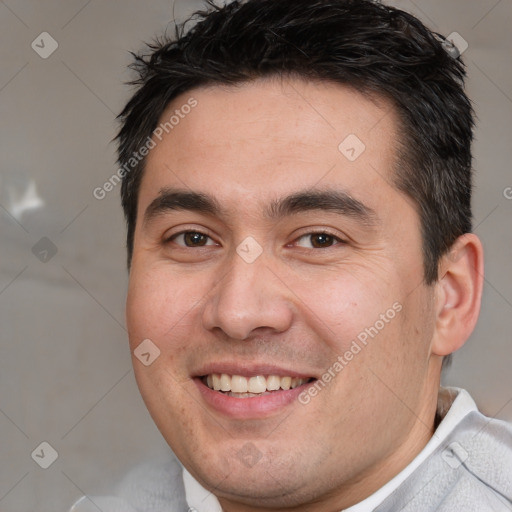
[[252, 478]]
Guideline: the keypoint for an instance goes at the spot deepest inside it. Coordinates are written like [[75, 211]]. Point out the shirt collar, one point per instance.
[[198, 498]]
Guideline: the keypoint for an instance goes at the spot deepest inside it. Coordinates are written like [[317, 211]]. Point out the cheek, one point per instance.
[[157, 305], [346, 305]]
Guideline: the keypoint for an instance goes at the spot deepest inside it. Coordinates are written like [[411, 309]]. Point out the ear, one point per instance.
[[458, 294]]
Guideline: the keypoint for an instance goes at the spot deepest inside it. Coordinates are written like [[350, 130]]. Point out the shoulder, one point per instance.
[[484, 447], [155, 487], [479, 446], [477, 466], [470, 469]]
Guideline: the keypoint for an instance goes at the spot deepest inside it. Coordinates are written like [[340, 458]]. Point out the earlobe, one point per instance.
[[458, 294]]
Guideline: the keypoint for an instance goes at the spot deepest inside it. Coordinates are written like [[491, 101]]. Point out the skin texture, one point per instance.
[[296, 306]]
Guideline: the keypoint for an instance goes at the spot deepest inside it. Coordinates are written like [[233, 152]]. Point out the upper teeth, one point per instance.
[[258, 384]]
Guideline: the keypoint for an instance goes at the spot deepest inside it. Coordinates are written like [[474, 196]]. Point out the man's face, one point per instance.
[[296, 249]]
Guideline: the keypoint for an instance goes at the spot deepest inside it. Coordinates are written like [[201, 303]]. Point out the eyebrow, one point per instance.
[[175, 200], [336, 201]]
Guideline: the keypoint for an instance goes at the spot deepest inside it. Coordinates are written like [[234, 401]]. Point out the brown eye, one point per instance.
[[318, 240], [192, 239]]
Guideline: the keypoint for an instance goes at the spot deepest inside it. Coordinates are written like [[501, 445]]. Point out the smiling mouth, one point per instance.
[[238, 386]]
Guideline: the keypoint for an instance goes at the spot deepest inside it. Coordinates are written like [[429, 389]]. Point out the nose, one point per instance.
[[249, 298]]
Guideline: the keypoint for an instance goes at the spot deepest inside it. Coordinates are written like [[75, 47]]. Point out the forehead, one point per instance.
[[266, 137]]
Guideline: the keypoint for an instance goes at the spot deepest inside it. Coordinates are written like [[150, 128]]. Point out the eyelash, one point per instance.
[[336, 239], [183, 233]]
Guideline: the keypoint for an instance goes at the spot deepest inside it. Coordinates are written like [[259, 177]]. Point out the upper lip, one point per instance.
[[250, 370]]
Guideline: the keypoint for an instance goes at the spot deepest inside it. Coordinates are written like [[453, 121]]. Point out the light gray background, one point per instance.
[[65, 370]]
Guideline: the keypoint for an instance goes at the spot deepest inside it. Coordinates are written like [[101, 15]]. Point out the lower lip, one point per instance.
[[252, 407]]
